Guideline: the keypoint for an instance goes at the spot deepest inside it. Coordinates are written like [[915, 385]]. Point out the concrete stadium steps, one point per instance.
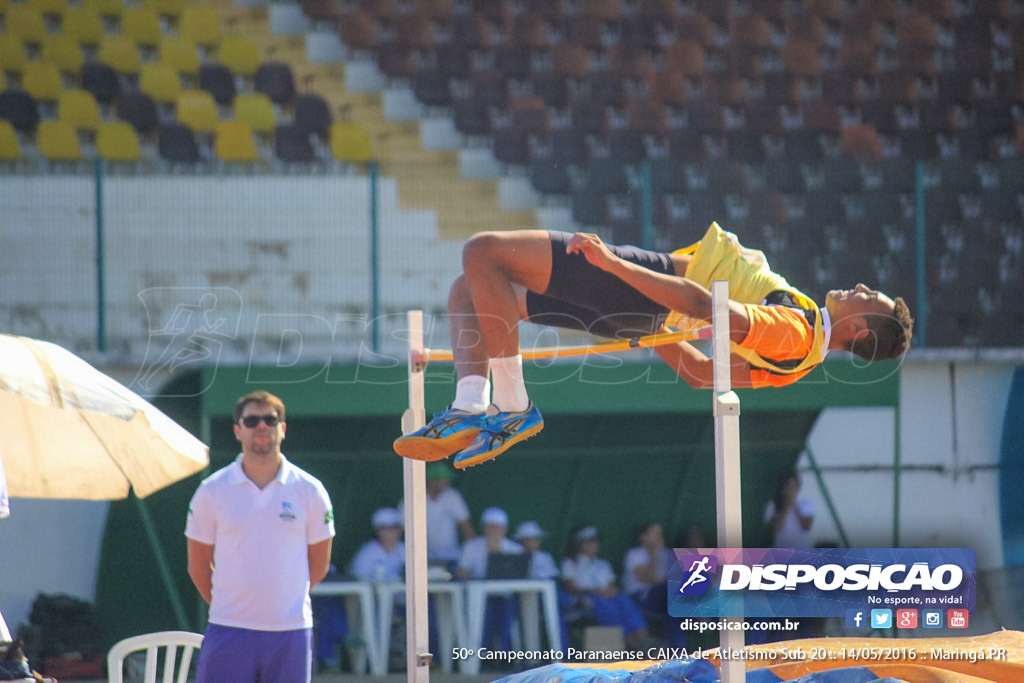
[[427, 179]]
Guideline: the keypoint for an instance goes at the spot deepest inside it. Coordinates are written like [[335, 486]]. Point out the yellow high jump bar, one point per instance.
[[424, 356]]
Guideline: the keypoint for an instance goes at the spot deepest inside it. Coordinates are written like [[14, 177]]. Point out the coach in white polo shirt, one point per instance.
[[259, 537]]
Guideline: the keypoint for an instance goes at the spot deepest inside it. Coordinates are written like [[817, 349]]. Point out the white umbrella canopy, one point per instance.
[[69, 431]]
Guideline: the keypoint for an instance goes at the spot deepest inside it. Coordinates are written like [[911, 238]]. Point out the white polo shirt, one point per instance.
[[260, 542]]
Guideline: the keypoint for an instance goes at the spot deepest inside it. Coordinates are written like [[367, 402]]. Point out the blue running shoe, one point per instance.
[[498, 433], [448, 432]]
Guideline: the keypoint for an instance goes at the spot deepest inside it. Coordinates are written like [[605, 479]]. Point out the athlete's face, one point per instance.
[[860, 300]]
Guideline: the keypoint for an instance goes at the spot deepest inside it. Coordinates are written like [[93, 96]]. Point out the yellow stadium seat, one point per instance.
[[112, 9], [161, 82], [10, 148], [117, 141], [53, 8], [65, 52], [120, 53], [197, 110], [42, 81], [180, 53], [83, 24], [350, 142], [239, 54], [79, 108], [57, 141], [25, 22], [13, 57], [142, 25], [234, 142], [255, 110], [201, 25], [165, 8]]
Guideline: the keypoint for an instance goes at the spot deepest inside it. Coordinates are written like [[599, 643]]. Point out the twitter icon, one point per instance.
[[881, 618]]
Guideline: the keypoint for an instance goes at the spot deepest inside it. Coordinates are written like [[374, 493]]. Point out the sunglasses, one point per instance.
[[253, 421]]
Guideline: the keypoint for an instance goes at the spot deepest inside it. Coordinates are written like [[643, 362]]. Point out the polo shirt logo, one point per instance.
[[286, 512]]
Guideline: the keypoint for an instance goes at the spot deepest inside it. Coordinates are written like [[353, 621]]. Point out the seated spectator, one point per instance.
[[500, 612], [447, 517], [382, 558], [542, 564], [591, 582], [645, 577]]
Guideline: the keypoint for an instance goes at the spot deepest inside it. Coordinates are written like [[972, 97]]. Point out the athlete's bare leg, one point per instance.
[[489, 299]]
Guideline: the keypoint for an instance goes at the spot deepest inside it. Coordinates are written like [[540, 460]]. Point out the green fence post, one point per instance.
[[101, 295], [374, 169]]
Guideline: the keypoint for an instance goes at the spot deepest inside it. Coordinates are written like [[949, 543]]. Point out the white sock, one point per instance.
[[472, 394], [509, 387]]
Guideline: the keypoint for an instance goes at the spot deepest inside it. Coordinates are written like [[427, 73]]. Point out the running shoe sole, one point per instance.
[[462, 463], [430, 449]]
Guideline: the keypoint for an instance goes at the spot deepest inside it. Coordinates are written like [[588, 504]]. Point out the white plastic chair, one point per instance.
[[170, 641]]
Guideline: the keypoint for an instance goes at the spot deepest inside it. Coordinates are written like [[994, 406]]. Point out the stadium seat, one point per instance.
[[10, 148], [358, 31], [110, 10], [292, 144], [181, 54], [233, 142], [350, 142], [142, 26], [256, 111], [65, 53], [12, 54], [83, 23], [197, 110], [201, 25], [471, 117], [140, 111], [177, 144], [57, 141], [79, 108], [160, 81], [121, 54], [312, 114], [511, 146], [42, 81], [239, 54], [275, 80], [117, 141], [170, 10], [431, 88], [217, 80], [49, 8], [101, 80], [549, 177], [25, 22]]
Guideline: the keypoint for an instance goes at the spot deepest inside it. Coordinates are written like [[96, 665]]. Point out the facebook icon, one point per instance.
[[854, 618]]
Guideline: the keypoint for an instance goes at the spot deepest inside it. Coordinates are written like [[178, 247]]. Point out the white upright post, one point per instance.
[[417, 637], [727, 470]]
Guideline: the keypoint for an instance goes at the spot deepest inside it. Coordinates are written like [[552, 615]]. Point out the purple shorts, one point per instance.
[[241, 655]]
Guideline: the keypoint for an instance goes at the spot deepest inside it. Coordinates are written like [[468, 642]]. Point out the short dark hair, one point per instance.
[[890, 334], [259, 397]]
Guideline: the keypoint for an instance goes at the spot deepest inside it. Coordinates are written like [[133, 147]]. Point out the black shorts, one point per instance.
[[583, 297]]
